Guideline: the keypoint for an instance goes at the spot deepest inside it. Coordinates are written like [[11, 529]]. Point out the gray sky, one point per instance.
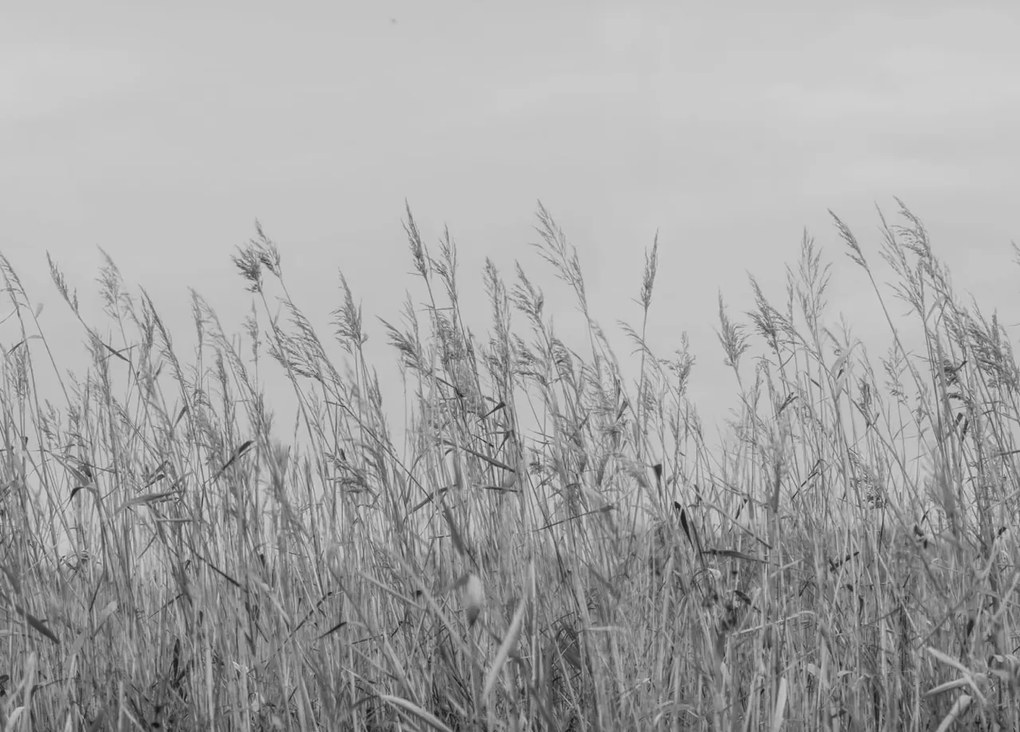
[[161, 132]]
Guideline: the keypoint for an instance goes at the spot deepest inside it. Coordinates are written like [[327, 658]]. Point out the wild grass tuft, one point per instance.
[[553, 545]]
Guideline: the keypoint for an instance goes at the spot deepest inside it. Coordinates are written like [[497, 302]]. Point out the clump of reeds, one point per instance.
[[553, 544]]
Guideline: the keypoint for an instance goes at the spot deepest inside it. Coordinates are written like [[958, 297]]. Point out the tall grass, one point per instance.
[[552, 545]]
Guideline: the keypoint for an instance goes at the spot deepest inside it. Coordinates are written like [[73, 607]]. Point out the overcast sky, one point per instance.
[[160, 132]]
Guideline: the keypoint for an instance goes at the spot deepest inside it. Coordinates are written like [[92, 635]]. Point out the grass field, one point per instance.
[[554, 544]]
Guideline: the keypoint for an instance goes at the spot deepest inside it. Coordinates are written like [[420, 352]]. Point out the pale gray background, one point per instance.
[[161, 132]]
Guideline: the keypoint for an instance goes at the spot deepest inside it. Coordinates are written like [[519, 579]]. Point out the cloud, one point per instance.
[[569, 87], [40, 80], [620, 28]]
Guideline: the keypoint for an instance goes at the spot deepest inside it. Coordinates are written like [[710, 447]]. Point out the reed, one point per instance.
[[552, 545]]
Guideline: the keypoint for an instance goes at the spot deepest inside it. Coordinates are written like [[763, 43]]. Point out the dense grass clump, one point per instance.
[[552, 545]]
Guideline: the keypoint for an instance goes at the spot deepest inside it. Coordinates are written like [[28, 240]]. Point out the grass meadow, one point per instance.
[[552, 544]]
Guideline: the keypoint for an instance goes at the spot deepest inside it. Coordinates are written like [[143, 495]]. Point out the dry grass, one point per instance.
[[555, 546]]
